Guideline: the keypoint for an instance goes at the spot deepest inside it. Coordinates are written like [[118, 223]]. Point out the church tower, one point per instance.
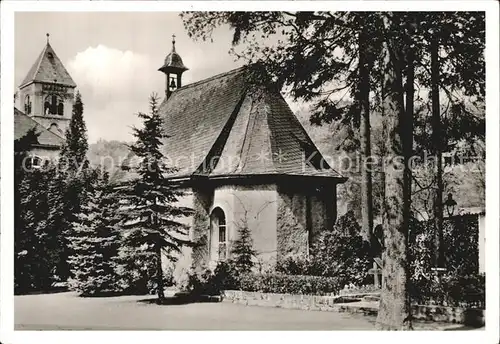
[[46, 93], [173, 69]]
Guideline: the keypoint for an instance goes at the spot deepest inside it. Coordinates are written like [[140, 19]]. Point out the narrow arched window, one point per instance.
[[60, 108], [27, 105], [219, 226]]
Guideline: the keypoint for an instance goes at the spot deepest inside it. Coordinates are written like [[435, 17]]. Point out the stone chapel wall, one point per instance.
[[302, 215]]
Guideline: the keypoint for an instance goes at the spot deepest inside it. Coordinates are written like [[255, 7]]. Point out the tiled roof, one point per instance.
[[48, 68], [219, 128], [23, 123]]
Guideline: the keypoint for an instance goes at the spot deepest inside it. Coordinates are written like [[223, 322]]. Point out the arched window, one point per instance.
[[60, 108], [219, 230], [27, 105], [53, 105], [36, 162], [54, 127]]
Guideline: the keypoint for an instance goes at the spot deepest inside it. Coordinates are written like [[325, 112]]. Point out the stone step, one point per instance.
[[373, 298]]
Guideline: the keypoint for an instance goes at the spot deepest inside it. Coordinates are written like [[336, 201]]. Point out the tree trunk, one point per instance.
[[407, 137], [159, 274], [366, 175], [437, 145], [394, 308]]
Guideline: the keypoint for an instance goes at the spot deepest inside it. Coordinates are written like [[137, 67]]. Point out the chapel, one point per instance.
[[243, 158]]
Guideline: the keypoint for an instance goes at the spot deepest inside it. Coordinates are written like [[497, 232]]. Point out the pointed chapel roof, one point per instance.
[[219, 128], [24, 123], [48, 68]]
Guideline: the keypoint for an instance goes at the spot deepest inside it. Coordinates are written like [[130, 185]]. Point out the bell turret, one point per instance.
[[173, 69]]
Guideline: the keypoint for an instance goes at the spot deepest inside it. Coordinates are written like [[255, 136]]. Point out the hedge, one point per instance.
[[452, 290], [290, 284]]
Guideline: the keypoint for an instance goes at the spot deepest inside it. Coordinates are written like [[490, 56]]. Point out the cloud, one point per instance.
[[115, 85]]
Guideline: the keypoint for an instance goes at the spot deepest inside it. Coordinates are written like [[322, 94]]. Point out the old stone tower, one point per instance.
[[46, 93]]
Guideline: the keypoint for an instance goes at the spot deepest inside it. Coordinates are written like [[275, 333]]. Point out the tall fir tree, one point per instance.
[[150, 217], [95, 240], [74, 149], [67, 189]]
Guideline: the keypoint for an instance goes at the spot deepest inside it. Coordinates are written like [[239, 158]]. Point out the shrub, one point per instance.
[[295, 265], [290, 284], [340, 253], [199, 283], [137, 270], [460, 241], [452, 290], [225, 276]]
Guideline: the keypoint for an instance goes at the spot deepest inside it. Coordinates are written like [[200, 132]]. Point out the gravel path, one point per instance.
[[66, 311]]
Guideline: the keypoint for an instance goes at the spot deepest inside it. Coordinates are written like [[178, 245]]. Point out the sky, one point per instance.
[[114, 59]]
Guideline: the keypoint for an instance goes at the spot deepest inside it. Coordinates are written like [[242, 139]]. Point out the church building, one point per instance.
[[243, 158], [45, 98]]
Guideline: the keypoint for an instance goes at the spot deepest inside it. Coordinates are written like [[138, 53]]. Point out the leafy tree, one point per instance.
[[342, 252], [148, 209], [95, 241]]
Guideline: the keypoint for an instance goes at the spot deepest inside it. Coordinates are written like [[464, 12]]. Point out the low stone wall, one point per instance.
[[472, 317], [294, 301]]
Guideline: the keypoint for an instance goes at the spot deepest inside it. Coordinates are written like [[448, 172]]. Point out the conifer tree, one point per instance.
[[95, 240], [242, 250], [150, 216], [35, 247], [25, 241], [74, 149], [67, 189]]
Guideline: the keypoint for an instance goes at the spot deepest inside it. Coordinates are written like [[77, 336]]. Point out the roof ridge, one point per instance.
[[217, 76], [45, 68], [30, 78], [221, 139], [38, 124], [40, 60]]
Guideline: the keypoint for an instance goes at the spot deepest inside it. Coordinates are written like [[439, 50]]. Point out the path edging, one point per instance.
[[472, 317]]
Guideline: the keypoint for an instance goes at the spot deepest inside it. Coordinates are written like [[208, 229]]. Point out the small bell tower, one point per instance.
[[173, 69]]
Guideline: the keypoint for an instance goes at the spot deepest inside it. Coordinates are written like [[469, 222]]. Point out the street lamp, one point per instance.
[[450, 204]]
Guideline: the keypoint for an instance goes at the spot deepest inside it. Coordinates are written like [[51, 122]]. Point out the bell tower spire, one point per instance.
[[173, 69], [46, 93]]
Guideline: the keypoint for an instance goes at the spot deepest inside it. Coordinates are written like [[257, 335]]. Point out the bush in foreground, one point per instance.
[[452, 290], [290, 284]]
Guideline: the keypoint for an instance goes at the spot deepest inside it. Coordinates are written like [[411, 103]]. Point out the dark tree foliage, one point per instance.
[[26, 243], [315, 57], [67, 189], [95, 240], [74, 149], [150, 216], [36, 249]]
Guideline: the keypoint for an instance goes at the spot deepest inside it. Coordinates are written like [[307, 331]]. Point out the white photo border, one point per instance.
[[7, 333]]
